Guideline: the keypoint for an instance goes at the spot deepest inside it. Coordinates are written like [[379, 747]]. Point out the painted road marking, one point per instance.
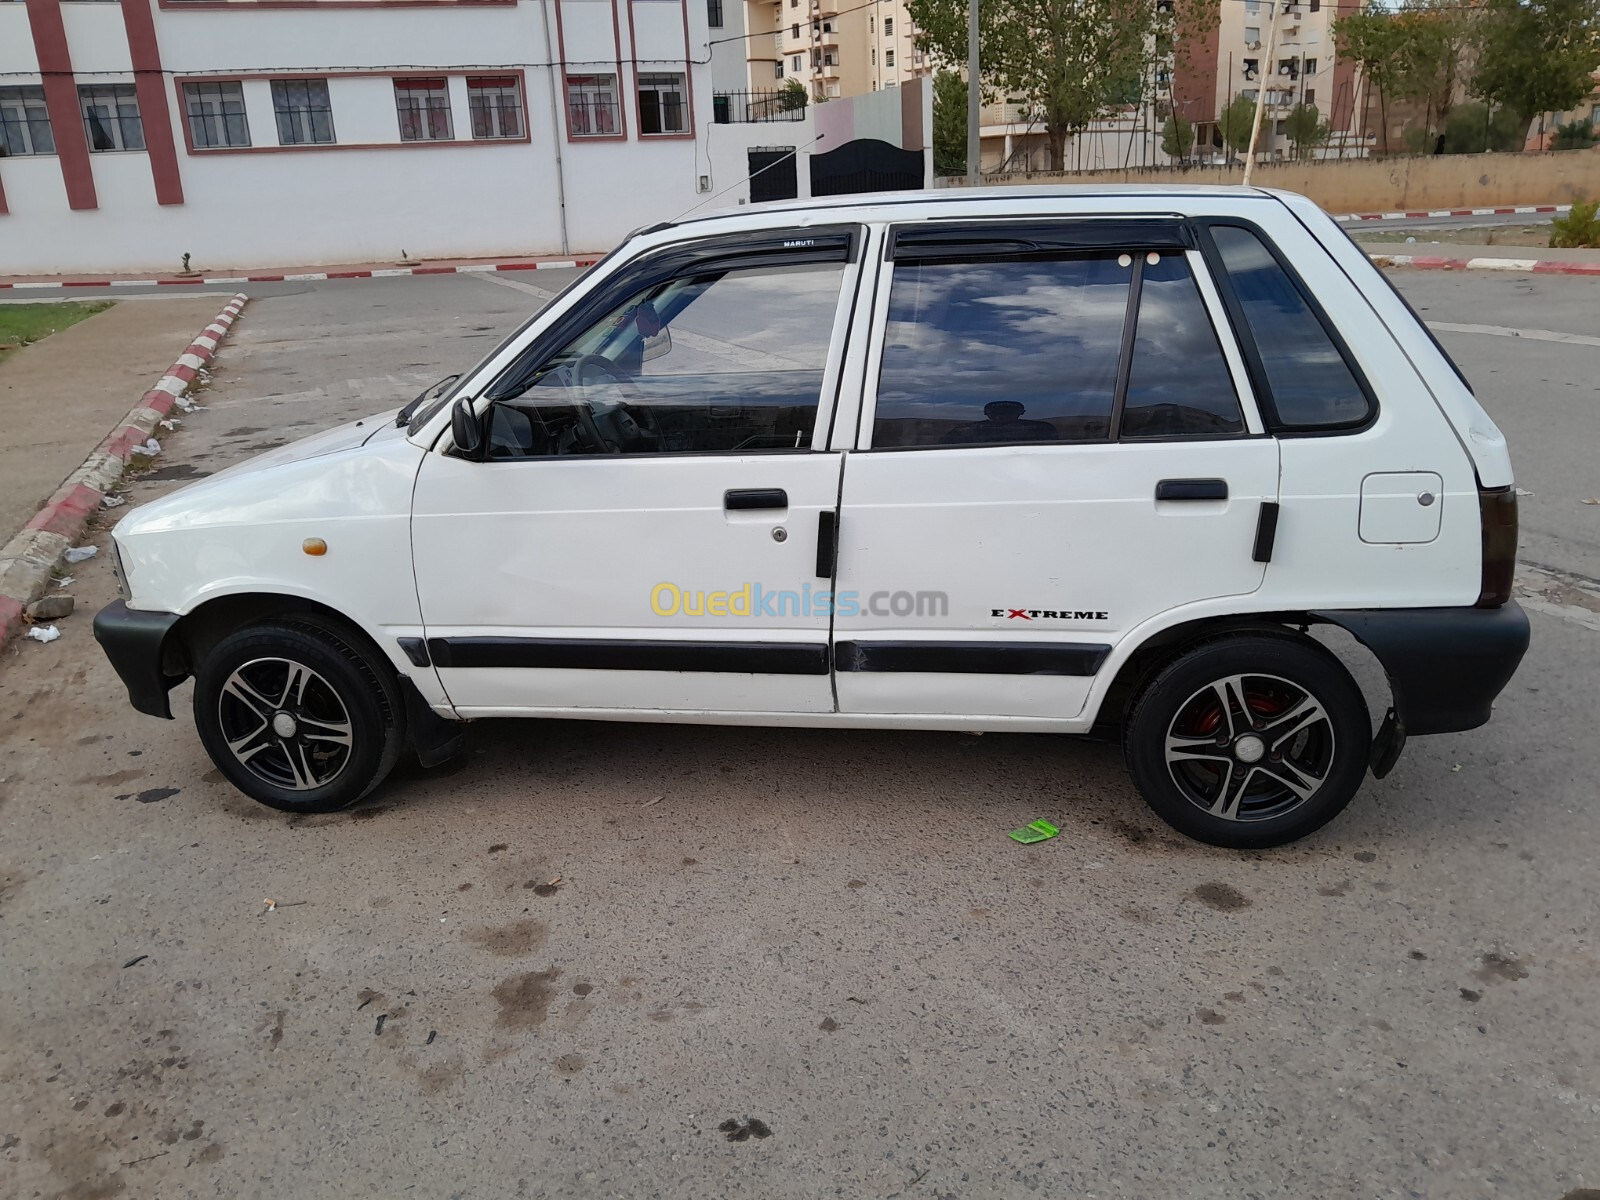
[[1532, 335]]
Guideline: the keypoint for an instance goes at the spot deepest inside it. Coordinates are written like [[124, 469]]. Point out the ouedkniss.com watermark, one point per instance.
[[753, 600]]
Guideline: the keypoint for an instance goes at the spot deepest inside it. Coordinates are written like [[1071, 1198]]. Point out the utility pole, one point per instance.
[[1268, 71], [974, 91]]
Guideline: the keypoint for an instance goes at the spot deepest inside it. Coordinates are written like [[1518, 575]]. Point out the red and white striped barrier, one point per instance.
[[1519, 210], [296, 277], [27, 559], [1535, 266]]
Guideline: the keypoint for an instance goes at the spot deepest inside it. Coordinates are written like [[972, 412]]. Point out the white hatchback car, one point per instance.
[[1047, 461]]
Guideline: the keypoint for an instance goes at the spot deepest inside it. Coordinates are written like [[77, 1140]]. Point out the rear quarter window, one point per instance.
[[1310, 383]]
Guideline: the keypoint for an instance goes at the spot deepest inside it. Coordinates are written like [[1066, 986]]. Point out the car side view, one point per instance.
[[1031, 460]]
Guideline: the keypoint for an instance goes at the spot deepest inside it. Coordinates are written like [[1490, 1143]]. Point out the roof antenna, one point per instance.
[[746, 179]]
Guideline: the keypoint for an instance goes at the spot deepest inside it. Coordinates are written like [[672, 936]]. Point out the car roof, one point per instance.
[[933, 198]]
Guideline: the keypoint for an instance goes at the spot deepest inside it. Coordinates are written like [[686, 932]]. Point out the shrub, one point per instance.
[[1579, 228]]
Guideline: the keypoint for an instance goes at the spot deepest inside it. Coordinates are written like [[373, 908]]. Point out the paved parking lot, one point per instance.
[[556, 968]]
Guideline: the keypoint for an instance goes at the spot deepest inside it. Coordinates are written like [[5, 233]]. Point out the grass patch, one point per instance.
[[23, 324]]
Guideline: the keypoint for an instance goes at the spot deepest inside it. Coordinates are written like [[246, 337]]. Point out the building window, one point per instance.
[[874, 55], [305, 118], [111, 116], [1311, 66], [592, 105], [1316, 5], [424, 109], [794, 32], [24, 122], [799, 64], [777, 69], [888, 27], [1311, 97], [714, 13], [888, 55], [1252, 33], [661, 104], [216, 115], [496, 106]]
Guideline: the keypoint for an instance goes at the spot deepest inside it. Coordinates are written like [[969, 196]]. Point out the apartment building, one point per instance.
[[835, 48], [1231, 58], [282, 132]]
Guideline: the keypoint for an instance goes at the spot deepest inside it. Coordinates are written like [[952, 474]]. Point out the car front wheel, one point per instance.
[[296, 717], [1249, 741]]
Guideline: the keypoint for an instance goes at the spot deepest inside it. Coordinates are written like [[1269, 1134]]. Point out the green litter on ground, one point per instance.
[[1034, 831]]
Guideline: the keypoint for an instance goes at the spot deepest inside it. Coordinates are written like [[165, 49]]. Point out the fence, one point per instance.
[[757, 107]]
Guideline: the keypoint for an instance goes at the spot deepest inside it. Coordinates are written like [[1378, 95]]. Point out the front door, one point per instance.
[[641, 535], [1060, 447]]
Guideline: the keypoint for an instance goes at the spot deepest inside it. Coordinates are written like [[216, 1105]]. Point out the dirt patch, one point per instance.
[[1220, 896], [509, 941], [525, 999]]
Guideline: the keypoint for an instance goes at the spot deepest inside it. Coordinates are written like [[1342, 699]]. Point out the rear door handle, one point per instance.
[[1192, 489], [743, 499]]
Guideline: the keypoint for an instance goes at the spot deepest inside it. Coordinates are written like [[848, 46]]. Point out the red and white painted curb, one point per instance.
[[1519, 210], [300, 277], [27, 559], [1535, 266]]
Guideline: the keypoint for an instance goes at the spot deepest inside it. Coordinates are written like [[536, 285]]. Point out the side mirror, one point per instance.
[[465, 429]]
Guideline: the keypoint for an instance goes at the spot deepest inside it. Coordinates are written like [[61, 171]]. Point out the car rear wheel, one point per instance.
[[1249, 741], [296, 717]]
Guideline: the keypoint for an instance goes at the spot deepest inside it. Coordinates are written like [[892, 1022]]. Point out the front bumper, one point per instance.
[[1445, 665], [136, 642]]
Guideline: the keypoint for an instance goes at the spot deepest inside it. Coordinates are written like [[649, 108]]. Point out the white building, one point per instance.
[[287, 132]]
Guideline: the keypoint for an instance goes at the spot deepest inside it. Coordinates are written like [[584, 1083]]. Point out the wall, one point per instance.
[[1383, 185]]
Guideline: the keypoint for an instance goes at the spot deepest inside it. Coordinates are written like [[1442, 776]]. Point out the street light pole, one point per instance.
[[1267, 72], [973, 91]]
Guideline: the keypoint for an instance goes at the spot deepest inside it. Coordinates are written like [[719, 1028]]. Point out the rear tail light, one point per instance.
[[1497, 509]]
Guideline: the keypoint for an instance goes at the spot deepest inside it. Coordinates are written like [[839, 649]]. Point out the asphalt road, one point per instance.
[[826, 932]]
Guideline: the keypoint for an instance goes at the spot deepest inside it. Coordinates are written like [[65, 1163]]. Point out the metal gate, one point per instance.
[[866, 165], [772, 175]]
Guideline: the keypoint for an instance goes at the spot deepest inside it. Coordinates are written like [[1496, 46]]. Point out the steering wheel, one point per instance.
[[627, 421]]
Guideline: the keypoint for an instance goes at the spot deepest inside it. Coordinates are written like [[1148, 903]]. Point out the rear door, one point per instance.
[[1057, 444]]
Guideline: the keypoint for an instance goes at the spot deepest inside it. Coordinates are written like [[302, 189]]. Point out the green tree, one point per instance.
[[1235, 121], [1537, 56], [1305, 129], [1371, 40], [1575, 135], [792, 96], [1177, 137], [1472, 129], [1433, 39], [1071, 61], [949, 124]]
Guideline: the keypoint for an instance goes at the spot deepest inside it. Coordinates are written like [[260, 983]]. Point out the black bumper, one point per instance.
[[135, 642], [1445, 665]]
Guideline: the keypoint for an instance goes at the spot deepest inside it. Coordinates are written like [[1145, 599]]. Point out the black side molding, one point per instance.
[[740, 499], [415, 649], [604, 654], [972, 658], [134, 641], [1266, 531], [1445, 665], [1192, 489]]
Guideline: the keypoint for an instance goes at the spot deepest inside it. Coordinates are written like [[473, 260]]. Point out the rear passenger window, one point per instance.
[[982, 353], [1311, 385], [1179, 384]]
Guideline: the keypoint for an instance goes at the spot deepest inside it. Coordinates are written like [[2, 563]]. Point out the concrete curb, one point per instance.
[[27, 559], [1521, 209], [1533, 266], [302, 276]]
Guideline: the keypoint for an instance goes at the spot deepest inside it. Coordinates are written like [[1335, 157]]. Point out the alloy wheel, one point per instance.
[[1250, 747], [285, 724]]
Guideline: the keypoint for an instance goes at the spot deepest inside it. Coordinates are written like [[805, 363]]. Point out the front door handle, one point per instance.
[[1192, 489], [744, 499]]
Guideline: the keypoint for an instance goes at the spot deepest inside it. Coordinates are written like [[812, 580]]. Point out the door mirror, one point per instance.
[[465, 428]]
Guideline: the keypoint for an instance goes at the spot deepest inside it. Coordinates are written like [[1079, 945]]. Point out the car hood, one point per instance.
[[330, 441]]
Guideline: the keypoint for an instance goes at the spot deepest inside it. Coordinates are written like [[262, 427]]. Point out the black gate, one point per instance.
[[866, 165], [772, 175]]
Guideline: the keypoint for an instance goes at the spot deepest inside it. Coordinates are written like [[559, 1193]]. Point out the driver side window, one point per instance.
[[727, 361]]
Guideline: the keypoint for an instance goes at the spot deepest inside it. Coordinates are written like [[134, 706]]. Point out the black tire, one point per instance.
[[345, 727], [1282, 767]]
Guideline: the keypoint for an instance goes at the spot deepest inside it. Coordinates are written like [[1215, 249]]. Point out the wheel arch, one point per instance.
[[1167, 644], [200, 629]]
